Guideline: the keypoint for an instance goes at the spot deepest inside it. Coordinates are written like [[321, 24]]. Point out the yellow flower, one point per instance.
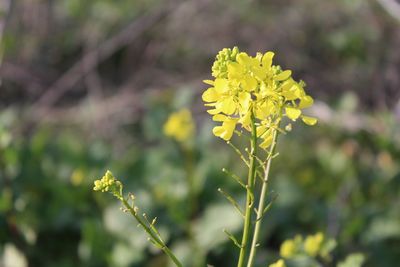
[[288, 248], [250, 90], [180, 125], [77, 177], [225, 131], [279, 263], [312, 244], [108, 183]]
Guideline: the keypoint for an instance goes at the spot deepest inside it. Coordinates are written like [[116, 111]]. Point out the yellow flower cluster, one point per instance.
[[312, 246], [291, 247], [180, 125], [288, 248], [108, 183], [313, 243], [250, 90], [279, 263]]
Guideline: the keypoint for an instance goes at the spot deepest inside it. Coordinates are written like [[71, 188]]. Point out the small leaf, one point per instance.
[[353, 260]]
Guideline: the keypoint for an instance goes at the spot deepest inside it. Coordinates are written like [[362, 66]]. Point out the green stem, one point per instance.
[[260, 210], [249, 198], [198, 255], [152, 235]]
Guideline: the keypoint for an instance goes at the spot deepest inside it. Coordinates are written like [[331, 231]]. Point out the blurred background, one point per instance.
[[88, 85]]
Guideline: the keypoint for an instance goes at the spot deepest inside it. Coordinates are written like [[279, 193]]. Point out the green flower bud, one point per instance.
[[108, 183], [226, 55]]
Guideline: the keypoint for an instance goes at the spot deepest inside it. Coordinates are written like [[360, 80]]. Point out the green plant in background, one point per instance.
[[314, 251], [181, 127]]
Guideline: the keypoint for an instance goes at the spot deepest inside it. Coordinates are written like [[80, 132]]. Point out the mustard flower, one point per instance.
[[288, 249], [250, 90], [279, 263], [180, 125], [313, 243]]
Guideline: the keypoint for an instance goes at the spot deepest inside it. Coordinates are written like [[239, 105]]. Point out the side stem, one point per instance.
[[249, 197], [261, 204], [153, 236]]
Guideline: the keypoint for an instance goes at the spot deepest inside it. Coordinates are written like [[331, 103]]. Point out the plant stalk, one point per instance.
[[152, 235], [249, 198], [261, 204]]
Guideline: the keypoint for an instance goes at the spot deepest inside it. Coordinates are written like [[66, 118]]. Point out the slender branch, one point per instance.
[[249, 196], [157, 241], [232, 201], [260, 211], [237, 150], [235, 177], [232, 237]]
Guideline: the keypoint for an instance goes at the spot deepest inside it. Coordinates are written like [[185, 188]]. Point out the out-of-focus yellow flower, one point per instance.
[[250, 90], [279, 263], [180, 125], [77, 177], [312, 244], [288, 249]]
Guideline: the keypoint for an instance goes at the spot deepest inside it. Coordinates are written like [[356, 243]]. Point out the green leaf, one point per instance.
[[353, 260]]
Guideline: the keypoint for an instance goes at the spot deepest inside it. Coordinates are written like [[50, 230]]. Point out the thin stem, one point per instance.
[[157, 241], [249, 198], [260, 210], [197, 259]]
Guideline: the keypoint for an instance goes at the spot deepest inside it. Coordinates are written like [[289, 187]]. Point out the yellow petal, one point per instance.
[[243, 59], [259, 73], [306, 101], [309, 120], [289, 95], [219, 117], [267, 59], [209, 82], [261, 130], [221, 85], [228, 106], [225, 131], [290, 90], [235, 70], [213, 111], [218, 131], [284, 75], [293, 113], [244, 101], [245, 120], [266, 142], [210, 95], [229, 127], [249, 83]]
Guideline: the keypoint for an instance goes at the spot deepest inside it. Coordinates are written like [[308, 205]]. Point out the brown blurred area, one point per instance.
[[58, 55]]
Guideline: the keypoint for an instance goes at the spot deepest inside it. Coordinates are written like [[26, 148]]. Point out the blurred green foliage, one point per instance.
[[342, 177], [343, 182]]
